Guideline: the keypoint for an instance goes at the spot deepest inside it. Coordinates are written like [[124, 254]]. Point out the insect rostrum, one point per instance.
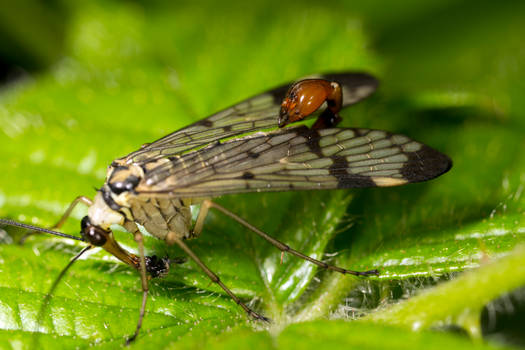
[[252, 146]]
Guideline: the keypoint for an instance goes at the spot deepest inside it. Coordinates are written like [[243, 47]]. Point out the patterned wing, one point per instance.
[[296, 158], [255, 114]]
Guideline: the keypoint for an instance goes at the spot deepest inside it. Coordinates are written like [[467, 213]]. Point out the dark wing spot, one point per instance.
[[425, 164], [247, 175], [205, 122], [175, 161], [361, 132], [227, 128], [253, 155], [313, 137], [339, 170]]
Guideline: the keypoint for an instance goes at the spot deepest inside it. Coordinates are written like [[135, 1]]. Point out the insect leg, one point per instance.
[[327, 119], [203, 212], [67, 213], [144, 280], [217, 280], [80, 199], [285, 248]]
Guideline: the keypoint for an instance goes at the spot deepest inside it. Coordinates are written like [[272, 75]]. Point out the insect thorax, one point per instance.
[[117, 202]]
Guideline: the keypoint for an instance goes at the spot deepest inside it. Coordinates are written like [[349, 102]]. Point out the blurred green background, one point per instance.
[[85, 82]]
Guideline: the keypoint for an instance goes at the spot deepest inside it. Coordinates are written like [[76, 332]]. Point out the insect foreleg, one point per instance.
[[285, 248], [80, 199], [217, 280], [67, 213]]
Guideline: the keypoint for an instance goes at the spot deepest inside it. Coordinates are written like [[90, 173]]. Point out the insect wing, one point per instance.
[[254, 114], [296, 158]]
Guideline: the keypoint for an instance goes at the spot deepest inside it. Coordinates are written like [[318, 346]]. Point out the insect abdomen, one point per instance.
[[162, 216]]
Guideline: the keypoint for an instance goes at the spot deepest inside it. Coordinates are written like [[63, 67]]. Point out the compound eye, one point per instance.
[[93, 234], [96, 236], [85, 223]]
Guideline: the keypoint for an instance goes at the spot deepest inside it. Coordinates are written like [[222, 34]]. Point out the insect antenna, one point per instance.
[[40, 229]]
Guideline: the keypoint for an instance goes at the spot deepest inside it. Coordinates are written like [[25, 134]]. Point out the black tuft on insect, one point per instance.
[[249, 147]]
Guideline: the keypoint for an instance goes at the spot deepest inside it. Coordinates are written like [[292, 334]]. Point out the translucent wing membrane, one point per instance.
[[255, 114], [295, 158]]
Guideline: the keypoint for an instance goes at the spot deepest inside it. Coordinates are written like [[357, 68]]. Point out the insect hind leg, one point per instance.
[[217, 280], [285, 248]]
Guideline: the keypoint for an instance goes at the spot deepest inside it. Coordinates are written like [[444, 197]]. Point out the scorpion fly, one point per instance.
[[252, 146]]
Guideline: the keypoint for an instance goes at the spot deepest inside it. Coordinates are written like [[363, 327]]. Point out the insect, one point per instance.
[[252, 146]]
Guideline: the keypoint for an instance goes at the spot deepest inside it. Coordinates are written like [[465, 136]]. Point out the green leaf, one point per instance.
[[465, 296], [133, 73], [331, 334]]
